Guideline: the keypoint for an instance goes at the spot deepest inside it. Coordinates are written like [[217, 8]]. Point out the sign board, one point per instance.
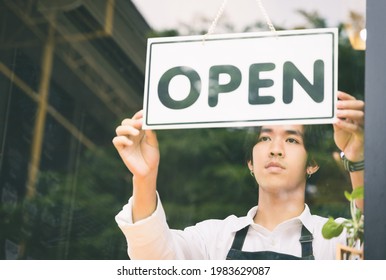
[[244, 79]]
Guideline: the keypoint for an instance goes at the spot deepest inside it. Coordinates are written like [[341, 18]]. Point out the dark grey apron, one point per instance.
[[235, 253]]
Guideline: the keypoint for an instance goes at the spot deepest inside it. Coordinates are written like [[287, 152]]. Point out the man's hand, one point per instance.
[[138, 148], [349, 129]]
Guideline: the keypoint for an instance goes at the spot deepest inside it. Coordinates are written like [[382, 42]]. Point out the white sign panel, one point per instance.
[[244, 79]]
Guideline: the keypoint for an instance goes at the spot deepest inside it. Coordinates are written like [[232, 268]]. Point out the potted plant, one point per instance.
[[353, 226]]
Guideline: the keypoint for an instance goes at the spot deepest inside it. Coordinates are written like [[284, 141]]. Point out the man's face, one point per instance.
[[280, 158]]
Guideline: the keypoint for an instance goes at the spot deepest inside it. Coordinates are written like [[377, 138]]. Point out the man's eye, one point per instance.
[[292, 140], [263, 139]]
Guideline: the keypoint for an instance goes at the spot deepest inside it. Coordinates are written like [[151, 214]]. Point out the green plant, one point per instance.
[[354, 226]]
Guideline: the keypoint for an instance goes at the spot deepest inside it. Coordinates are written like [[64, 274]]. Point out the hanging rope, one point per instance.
[[214, 22], [221, 11], [266, 16]]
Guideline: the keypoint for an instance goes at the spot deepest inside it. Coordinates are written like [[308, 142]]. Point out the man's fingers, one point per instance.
[[345, 96], [127, 130], [137, 123], [351, 115], [350, 109], [351, 104], [122, 141], [138, 115], [151, 138]]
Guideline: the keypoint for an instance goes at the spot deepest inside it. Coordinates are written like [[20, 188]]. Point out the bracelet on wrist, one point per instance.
[[351, 166]]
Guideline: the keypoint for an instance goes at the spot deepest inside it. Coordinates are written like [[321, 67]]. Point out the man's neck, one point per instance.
[[275, 209]]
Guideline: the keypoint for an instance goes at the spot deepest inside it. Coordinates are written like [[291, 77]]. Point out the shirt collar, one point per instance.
[[247, 220], [305, 218]]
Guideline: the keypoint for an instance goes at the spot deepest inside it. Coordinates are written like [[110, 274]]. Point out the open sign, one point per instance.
[[241, 79]]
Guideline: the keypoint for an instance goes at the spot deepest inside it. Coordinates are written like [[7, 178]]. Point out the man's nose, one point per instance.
[[279, 154], [276, 149]]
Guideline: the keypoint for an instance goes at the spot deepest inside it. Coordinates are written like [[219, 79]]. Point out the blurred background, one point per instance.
[[71, 70]]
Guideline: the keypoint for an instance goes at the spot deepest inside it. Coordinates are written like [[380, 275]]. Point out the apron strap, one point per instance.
[[305, 241], [239, 239]]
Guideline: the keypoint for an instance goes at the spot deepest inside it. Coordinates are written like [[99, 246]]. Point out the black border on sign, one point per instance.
[[205, 123]]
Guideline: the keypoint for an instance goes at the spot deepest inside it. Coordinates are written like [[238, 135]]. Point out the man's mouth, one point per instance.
[[274, 165]]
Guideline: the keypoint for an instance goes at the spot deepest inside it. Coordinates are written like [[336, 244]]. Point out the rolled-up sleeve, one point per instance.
[[149, 238], [152, 239]]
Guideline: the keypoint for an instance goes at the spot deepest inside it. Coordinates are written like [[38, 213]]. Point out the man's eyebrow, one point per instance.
[[287, 131], [294, 132], [266, 130]]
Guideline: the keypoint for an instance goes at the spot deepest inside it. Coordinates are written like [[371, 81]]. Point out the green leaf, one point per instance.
[[348, 195], [358, 193], [331, 229]]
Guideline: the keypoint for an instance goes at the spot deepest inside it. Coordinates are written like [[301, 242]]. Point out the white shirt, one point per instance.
[[151, 238]]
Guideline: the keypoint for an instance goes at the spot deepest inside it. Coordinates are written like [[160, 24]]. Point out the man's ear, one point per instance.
[[312, 167], [250, 165]]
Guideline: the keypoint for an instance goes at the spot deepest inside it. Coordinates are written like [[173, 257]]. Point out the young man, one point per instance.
[[280, 227]]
